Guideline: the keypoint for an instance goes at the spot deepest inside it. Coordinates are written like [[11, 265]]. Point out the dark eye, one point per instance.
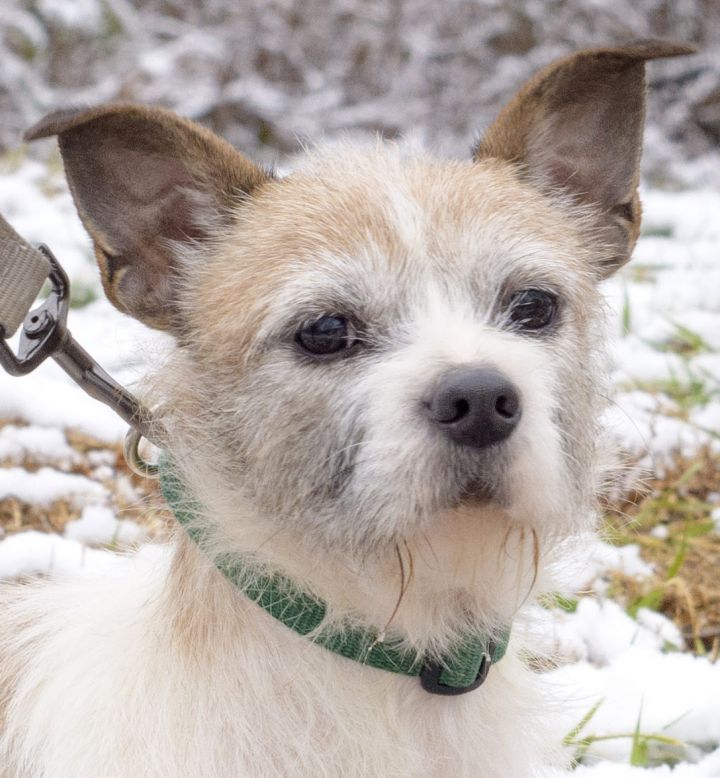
[[533, 309], [326, 335]]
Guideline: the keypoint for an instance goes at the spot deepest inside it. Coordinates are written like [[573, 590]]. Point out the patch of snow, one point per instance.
[[675, 694], [690, 215], [608, 631], [637, 419], [86, 14], [47, 485], [624, 559], [707, 417], [666, 631], [715, 517], [708, 767], [636, 362], [707, 365], [18, 443], [41, 553], [98, 525]]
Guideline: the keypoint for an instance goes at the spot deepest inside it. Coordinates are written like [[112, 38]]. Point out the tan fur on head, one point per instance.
[[331, 468]]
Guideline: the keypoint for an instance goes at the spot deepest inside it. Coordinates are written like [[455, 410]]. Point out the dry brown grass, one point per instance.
[[141, 503], [685, 553]]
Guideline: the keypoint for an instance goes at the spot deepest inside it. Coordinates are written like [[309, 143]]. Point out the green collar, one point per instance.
[[460, 670]]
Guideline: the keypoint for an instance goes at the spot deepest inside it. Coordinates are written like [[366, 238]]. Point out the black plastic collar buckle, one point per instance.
[[431, 671]]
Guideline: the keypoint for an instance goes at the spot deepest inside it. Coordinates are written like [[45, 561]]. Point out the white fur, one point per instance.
[[105, 692]]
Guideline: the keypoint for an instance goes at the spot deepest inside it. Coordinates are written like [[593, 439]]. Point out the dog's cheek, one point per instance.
[[406, 467], [296, 439], [550, 480], [536, 475], [535, 468]]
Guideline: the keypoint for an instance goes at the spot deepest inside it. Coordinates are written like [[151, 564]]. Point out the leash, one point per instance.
[[24, 271]]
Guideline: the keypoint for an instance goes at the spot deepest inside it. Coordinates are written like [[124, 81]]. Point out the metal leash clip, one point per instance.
[[23, 270]]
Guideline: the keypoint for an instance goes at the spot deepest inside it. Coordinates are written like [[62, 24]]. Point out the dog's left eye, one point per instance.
[[533, 309], [326, 335]]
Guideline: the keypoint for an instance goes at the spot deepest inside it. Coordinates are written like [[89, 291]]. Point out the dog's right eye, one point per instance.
[[533, 309], [326, 335]]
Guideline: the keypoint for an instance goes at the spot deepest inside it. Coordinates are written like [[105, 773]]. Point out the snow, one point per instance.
[[32, 552], [34, 442], [607, 631], [46, 485], [98, 525], [715, 516], [264, 74], [676, 694], [708, 767], [39, 553], [121, 345], [625, 559]]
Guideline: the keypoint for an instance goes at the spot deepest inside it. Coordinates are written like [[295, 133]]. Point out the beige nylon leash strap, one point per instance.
[[23, 271]]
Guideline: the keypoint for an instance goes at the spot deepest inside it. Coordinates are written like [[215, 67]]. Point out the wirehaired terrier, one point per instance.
[[380, 425]]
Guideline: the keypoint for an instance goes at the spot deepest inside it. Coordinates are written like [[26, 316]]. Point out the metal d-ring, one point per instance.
[[135, 461]]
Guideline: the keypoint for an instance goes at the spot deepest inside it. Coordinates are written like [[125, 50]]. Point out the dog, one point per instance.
[[380, 430]]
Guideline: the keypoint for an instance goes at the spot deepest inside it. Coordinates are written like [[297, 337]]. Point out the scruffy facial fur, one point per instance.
[[329, 468]]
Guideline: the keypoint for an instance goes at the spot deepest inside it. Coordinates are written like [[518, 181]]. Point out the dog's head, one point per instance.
[[380, 339]]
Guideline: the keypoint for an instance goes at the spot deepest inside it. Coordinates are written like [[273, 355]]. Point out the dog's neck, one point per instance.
[[470, 565]]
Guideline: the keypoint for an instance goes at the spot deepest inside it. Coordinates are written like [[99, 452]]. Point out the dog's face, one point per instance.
[[381, 343], [381, 339]]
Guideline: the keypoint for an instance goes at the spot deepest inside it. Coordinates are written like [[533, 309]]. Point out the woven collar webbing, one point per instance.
[[459, 670]]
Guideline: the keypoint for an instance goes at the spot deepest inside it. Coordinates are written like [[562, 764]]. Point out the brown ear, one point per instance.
[[143, 178], [577, 128]]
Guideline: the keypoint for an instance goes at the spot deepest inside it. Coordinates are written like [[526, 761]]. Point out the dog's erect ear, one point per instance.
[[577, 128], [143, 178]]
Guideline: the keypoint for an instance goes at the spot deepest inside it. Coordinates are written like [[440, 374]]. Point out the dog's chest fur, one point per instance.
[[125, 691]]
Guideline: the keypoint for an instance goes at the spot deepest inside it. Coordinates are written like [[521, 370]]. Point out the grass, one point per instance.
[[683, 341], [672, 525], [646, 748], [687, 388]]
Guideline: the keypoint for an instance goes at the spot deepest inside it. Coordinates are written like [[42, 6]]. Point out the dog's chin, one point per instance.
[[477, 493]]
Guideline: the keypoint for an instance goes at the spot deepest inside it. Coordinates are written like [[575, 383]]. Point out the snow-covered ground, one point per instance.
[[621, 675]]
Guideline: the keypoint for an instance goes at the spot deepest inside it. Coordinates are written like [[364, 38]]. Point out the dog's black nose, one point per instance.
[[474, 406]]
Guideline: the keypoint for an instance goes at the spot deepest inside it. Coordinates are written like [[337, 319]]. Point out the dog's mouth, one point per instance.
[[476, 492], [479, 481]]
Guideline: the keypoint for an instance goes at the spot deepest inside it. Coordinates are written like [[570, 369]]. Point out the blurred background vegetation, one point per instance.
[[269, 73]]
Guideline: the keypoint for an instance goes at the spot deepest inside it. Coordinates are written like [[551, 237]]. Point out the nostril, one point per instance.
[[506, 406], [462, 408], [447, 409]]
